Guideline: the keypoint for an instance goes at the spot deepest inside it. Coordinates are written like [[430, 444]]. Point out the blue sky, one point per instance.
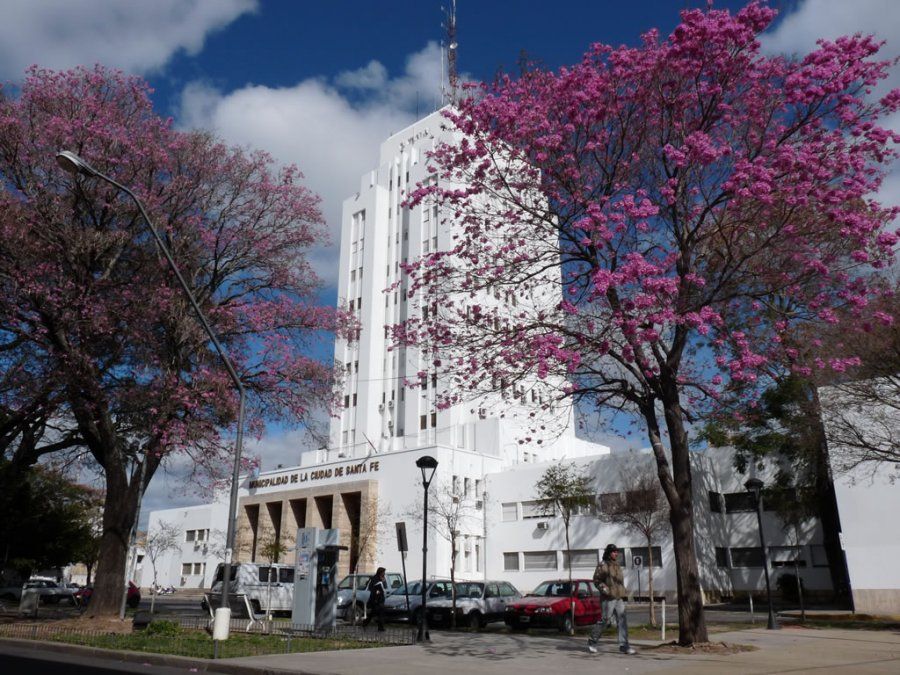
[[321, 84]]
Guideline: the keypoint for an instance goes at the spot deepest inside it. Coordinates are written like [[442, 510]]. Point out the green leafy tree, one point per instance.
[[45, 518]]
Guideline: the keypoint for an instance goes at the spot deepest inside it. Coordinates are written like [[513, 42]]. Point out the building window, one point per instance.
[[722, 557], [465, 487], [477, 557], [739, 502], [455, 485], [642, 551], [477, 489], [784, 556], [540, 560], [509, 512], [747, 557], [715, 501], [185, 569], [511, 562], [189, 535], [433, 420], [537, 509], [585, 558], [609, 501], [198, 568], [423, 422], [819, 555]]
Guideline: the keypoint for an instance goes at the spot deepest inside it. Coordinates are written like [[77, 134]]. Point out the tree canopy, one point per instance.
[[95, 333], [692, 201]]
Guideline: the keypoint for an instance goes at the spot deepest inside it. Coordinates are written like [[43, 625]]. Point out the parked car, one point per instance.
[[478, 603], [50, 592], [395, 602], [267, 587], [345, 608], [83, 595], [549, 605]]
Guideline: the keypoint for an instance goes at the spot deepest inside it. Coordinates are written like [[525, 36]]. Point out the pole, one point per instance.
[[663, 638], [771, 625], [84, 168], [405, 584], [423, 621], [752, 618]]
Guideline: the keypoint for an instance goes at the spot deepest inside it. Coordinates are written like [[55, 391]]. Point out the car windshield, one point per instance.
[[220, 572], [560, 589], [469, 590], [361, 582], [415, 588]]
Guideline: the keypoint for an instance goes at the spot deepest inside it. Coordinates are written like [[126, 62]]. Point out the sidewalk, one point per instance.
[[788, 650]]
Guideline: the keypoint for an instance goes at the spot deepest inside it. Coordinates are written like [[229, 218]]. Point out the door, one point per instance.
[[493, 602]]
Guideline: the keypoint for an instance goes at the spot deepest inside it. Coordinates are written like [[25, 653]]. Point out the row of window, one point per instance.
[[779, 556], [468, 485], [193, 569], [196, 535], [515, 561], [744, 502]]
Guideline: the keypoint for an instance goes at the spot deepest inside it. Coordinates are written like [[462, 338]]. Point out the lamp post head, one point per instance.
[[72, 163], [754, 485], [427, 465]]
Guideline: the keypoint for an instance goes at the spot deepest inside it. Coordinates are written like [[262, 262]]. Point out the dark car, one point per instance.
[[549, 606], [478, 603], [395, 602], [83, 595]]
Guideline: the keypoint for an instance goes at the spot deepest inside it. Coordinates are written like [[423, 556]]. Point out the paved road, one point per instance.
[[25, 661]]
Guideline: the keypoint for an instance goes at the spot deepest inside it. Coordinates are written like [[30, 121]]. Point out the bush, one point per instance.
[[164, 628], [788, 586]]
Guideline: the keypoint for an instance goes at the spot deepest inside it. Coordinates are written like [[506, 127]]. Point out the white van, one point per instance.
[[270, 588]]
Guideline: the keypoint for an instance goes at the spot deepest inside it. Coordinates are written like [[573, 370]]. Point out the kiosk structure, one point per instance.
[[315, 583]]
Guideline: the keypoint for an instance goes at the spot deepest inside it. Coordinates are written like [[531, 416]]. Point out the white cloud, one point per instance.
[[138, 37], [330, 128]]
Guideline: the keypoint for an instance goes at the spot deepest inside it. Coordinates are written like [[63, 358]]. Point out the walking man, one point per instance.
[[377, 590], [609, 579]]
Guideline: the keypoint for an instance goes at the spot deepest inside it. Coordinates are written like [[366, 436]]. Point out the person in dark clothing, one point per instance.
[[609, 579], [377, 588]]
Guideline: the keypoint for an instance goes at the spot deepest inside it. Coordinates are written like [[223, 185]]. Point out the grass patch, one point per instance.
[[172, 640]]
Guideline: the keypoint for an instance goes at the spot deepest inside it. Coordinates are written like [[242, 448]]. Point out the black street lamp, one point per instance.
[[76, 165], [754, 486], [427, 465]]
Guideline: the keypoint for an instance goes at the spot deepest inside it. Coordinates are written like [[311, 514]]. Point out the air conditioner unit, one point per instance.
[[543, 525], [479, 505], [455, 499]]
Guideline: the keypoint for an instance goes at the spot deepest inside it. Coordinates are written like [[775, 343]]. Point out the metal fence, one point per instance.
[[190, 639]]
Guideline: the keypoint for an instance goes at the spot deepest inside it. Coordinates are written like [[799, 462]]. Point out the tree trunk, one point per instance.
[[650, 580], [452, 582], [569, 568], [678, 490], [119, 514]]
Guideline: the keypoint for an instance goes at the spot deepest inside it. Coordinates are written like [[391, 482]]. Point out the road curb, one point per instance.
[[186, 662]]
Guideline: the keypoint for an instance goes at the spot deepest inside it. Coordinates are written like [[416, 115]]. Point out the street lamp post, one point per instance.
[[754, 486], [427, 465], [76, 165]]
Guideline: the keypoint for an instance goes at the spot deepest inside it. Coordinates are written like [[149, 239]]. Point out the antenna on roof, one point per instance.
[[452, 46]]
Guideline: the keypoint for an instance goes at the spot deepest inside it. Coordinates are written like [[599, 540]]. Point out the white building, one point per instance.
[[368, 472]]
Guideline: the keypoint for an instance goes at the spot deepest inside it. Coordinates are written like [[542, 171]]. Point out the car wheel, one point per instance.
[[475, 621], [358, 613], [565, 624]]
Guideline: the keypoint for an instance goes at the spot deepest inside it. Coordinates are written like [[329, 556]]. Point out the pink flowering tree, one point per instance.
[[90, 312], [644, 230]]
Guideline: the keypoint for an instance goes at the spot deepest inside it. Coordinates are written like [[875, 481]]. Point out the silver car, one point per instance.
[[349, 612], [395, 602], [478, 603]]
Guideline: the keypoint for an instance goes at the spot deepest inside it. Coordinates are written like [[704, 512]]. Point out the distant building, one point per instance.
[[484, 467]]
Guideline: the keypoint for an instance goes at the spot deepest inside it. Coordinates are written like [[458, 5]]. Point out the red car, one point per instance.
[[549, 605], [133, 600]]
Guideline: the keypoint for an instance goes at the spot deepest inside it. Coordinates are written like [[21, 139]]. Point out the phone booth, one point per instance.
[[315, 582]]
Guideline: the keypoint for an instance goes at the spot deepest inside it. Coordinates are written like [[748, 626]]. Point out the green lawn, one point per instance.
[[196, 643]]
